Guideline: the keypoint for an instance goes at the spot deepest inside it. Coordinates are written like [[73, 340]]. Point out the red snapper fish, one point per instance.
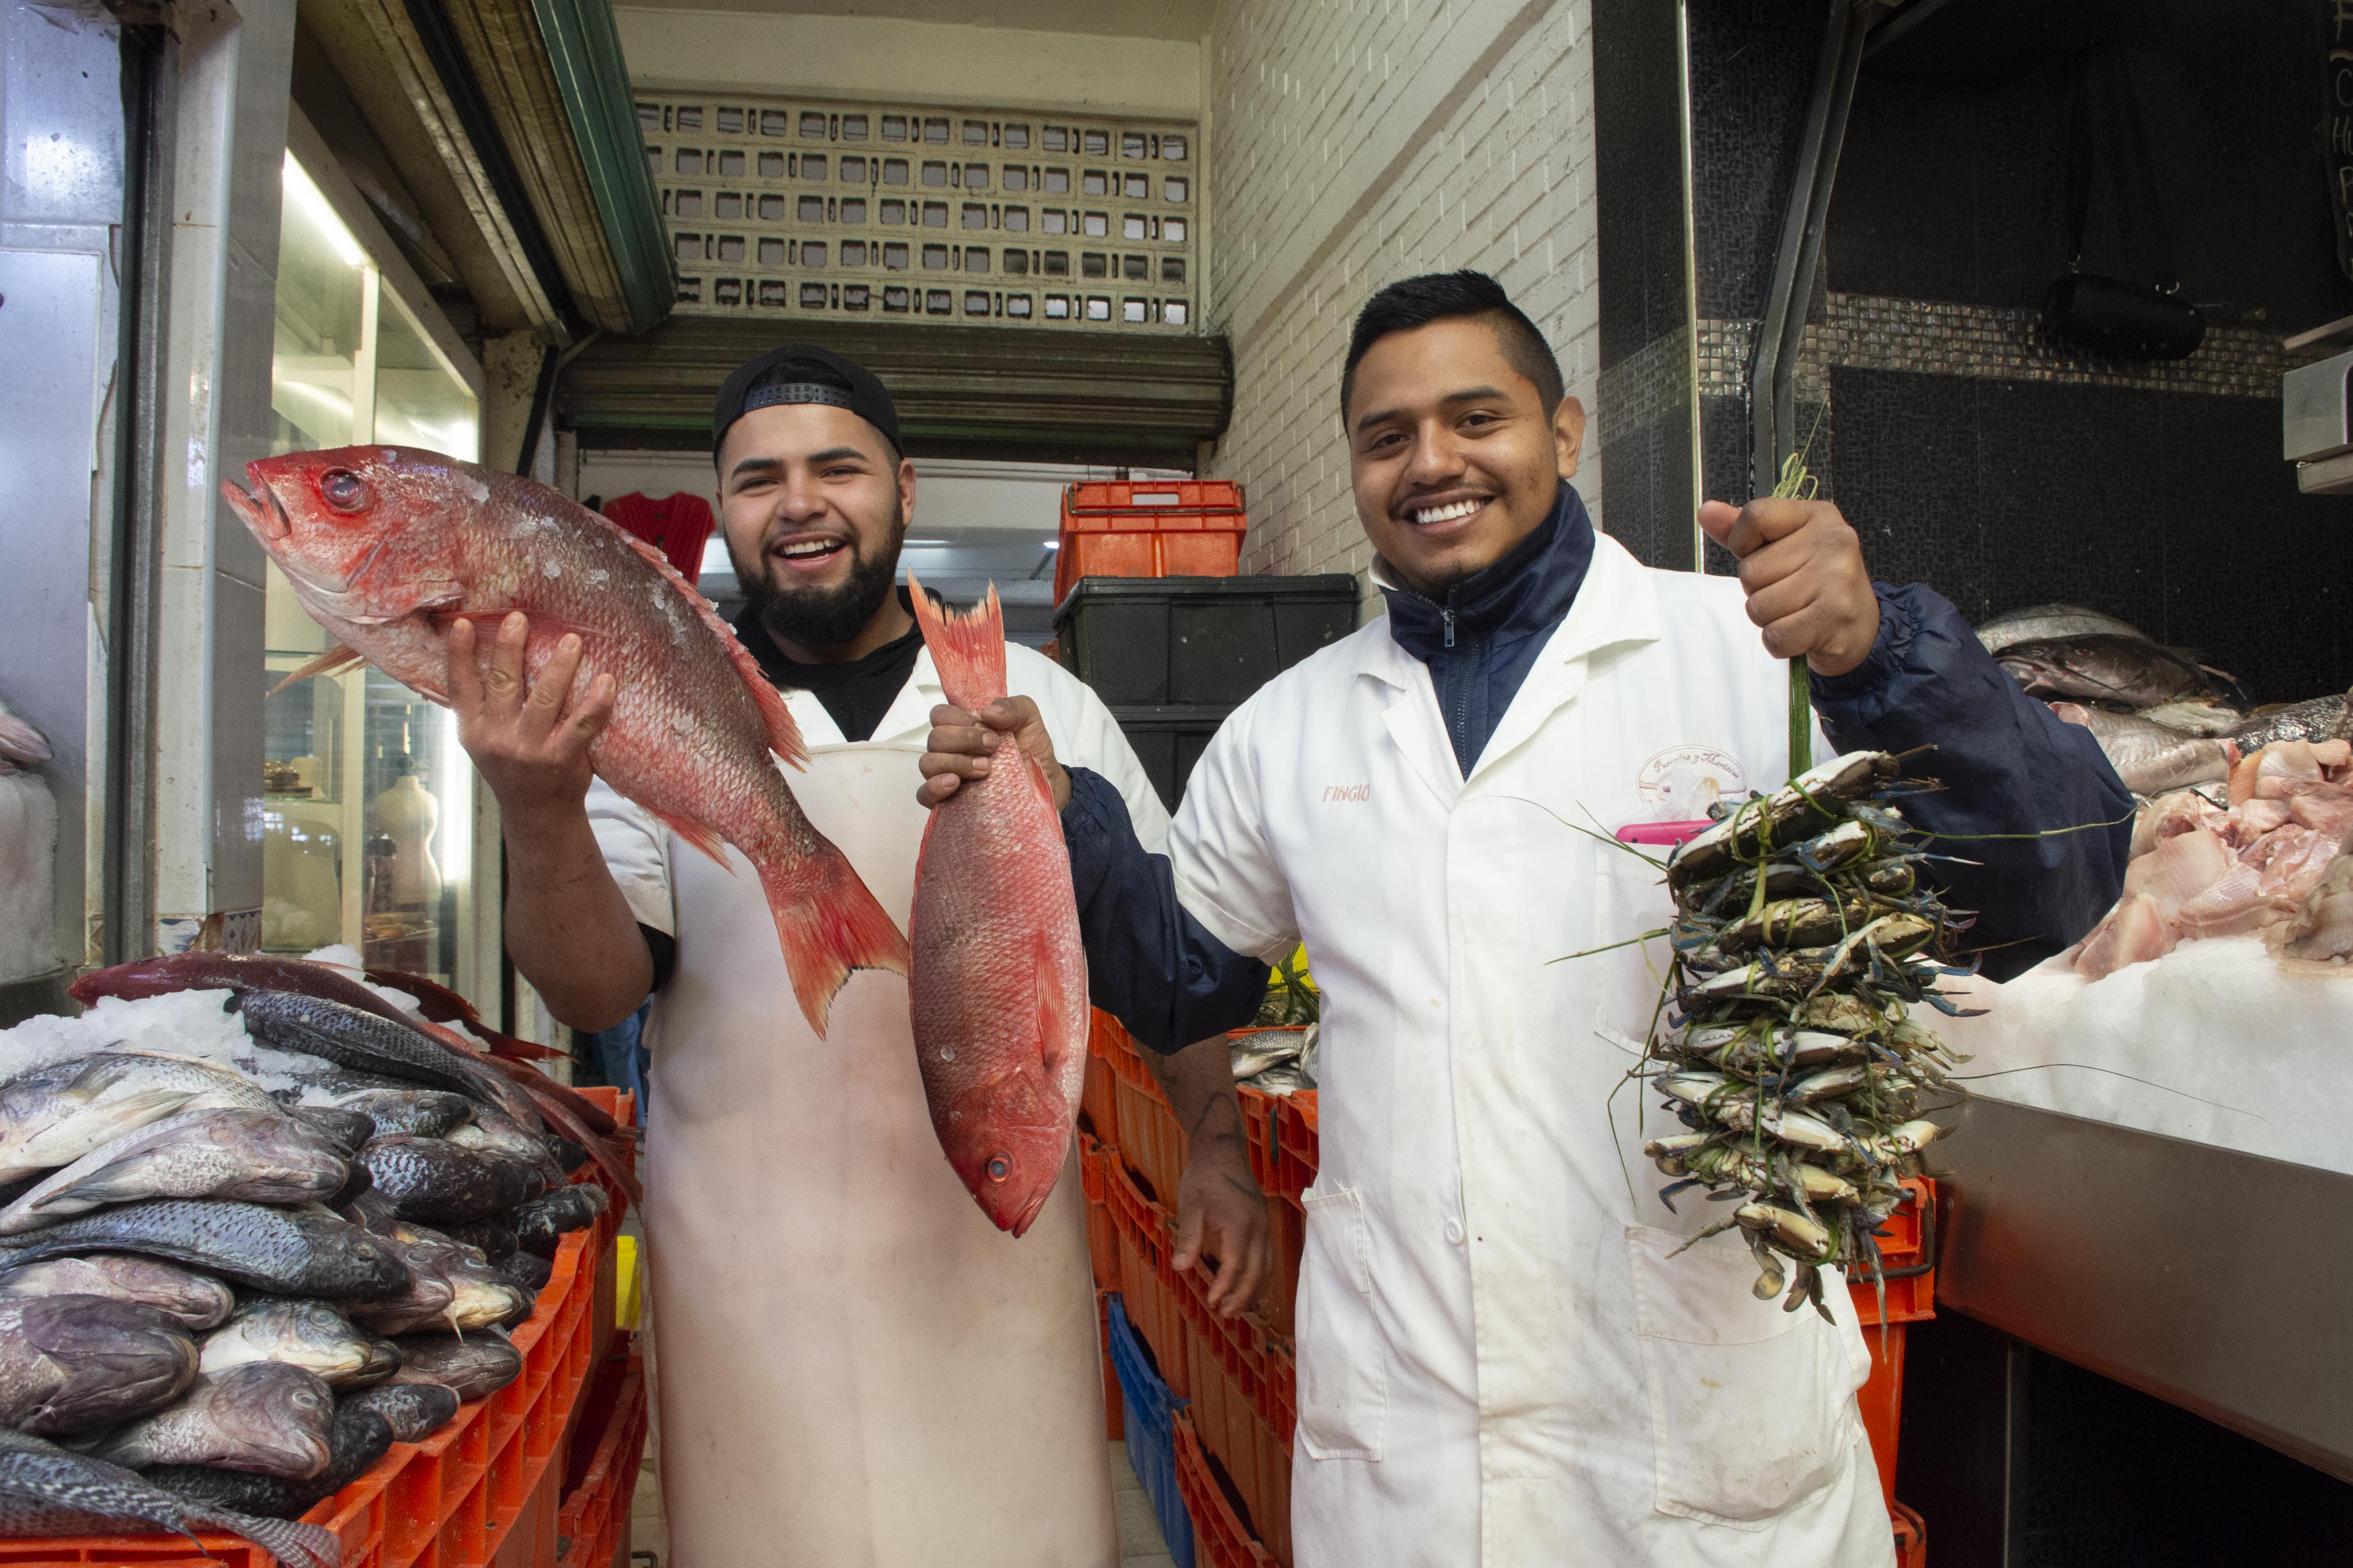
[[998, 992], [386, 547]]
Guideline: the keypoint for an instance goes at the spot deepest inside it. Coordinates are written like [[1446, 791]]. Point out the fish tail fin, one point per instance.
[[967, 647], [828, 923]]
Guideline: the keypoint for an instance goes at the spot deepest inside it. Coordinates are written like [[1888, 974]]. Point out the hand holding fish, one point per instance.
[[533, 751], [961, 744], [1802, 568]]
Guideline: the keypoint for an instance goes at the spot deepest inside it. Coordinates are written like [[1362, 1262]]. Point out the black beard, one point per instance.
[[825, 617]]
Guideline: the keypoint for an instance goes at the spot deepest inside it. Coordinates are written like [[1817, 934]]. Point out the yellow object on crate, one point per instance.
[[629, 1287]]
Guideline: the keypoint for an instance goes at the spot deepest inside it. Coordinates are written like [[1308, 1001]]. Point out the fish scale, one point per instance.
[[998, 995], [411, 540], [263, 1248]]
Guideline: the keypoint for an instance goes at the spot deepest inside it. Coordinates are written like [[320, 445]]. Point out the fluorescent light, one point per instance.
[[312, 204], [1053, 545]]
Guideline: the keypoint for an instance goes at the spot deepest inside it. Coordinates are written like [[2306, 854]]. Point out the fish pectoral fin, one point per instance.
[[701, 835], [334, 658], [1058, 1030]]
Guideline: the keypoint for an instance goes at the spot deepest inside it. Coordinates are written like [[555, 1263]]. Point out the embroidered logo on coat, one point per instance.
[[1681, 782], [1347, 795]]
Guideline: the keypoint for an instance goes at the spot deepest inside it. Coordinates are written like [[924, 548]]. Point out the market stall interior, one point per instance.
[[318, 1219]]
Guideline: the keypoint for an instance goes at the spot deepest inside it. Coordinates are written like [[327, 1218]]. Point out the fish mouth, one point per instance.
[[1028, 1213]]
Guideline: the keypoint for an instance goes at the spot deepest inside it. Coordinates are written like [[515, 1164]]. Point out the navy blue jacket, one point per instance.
[[2008, 766]]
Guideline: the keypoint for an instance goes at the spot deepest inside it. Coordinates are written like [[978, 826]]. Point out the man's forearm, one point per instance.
[[1199, 1083], [2033, 822], [569, 929]]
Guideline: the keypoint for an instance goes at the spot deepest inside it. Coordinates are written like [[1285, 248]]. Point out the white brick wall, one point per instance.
[[1483, 109]]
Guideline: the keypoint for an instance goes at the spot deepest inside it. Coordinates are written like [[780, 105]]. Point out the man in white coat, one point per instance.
[[854, 1367], [1501, 1357]]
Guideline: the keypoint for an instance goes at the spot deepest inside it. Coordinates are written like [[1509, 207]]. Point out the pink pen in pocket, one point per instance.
[[1668, 833]]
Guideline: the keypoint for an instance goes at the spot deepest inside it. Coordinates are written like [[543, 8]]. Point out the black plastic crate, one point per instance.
[[1169, 741], [1186, 641]]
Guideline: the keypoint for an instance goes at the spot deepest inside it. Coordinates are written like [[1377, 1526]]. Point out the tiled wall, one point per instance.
[[1972, 455], [1352, 144]]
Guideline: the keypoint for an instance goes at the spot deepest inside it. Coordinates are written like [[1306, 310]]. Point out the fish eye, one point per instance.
[[998, 1167], [343, 489]]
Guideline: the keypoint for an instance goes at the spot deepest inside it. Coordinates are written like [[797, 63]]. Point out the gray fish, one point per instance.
[[356, 1438], [54, 1115], [2321, 719], [527, 1269], [491, 1238], [541, 1224], [480, 1296], [1260, 1049], [428, 1299], [260, 1156], [372, 1044], [312, 1252], [197, 1302], [419, 1112], [49, 1491], [1285, 1077], [383, 1359], [2038, 622], [263, 1415], [471, 1367], [2103, 667], [494, 1133], [349, 1131], [2150, 758], [291, 1329], [2196, 716], [430, 1179], [75, 1364], [416, 1410]]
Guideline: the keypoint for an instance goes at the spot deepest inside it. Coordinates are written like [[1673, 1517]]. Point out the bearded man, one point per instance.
[[855, 1367]]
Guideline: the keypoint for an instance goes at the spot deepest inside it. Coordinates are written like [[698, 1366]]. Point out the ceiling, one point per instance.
[[1179, 19]]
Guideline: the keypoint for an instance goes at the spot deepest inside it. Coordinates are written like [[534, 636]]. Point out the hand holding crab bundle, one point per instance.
[[1804, 941]]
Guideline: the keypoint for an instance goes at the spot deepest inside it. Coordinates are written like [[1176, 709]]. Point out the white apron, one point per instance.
[[1499, 1361], [855, 1368]]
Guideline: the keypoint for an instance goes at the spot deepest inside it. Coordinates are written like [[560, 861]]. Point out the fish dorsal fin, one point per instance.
[[783, 735], [968, 648]]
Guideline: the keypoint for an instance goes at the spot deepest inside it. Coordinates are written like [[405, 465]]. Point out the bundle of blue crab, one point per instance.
[[1807, 949]]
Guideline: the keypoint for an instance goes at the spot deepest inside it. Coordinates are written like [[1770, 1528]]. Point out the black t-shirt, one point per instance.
[[856, 693]]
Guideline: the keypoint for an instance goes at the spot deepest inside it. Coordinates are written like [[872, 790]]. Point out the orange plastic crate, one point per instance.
[[1911, 1534], [1905, 1252], [1297, 1149], [1186, 528], [1098, 1110], [475, 1494], [594, 1518], [1147, 1277], [1102, 1231], [1220, 1537]]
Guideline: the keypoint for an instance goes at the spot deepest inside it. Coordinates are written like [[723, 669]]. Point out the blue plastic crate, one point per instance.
[[1150, 1433]]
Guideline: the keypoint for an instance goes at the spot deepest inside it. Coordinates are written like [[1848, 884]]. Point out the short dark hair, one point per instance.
[[1413, 303]]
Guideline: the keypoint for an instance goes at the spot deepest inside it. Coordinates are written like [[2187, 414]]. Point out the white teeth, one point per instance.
[[1447, 514], [810, 547]]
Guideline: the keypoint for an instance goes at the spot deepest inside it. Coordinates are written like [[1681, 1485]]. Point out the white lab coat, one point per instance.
[[1498, 1360], [854, 1367]]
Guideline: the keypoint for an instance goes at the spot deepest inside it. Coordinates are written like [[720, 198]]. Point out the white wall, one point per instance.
[[867, 57], [1354, 145]]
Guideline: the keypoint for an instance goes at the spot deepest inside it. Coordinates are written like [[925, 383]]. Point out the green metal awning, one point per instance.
[[1032, 394]]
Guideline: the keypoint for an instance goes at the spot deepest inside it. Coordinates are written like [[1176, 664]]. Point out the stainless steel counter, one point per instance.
[[2216, 1281]]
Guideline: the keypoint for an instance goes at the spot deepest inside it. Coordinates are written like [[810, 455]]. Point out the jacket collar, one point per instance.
[[1523, 593], [1615, 604]]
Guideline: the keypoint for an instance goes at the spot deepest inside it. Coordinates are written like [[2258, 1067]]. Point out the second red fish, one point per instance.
[[998, 984]]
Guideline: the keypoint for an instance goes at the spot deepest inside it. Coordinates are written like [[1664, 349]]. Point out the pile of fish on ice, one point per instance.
[[258, 1223], [2158, 714]]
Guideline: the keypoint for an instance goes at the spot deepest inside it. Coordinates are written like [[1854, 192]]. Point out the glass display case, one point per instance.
[[368, 818]]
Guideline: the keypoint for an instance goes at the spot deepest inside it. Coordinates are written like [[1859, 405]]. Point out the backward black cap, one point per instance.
[[804, 372]]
